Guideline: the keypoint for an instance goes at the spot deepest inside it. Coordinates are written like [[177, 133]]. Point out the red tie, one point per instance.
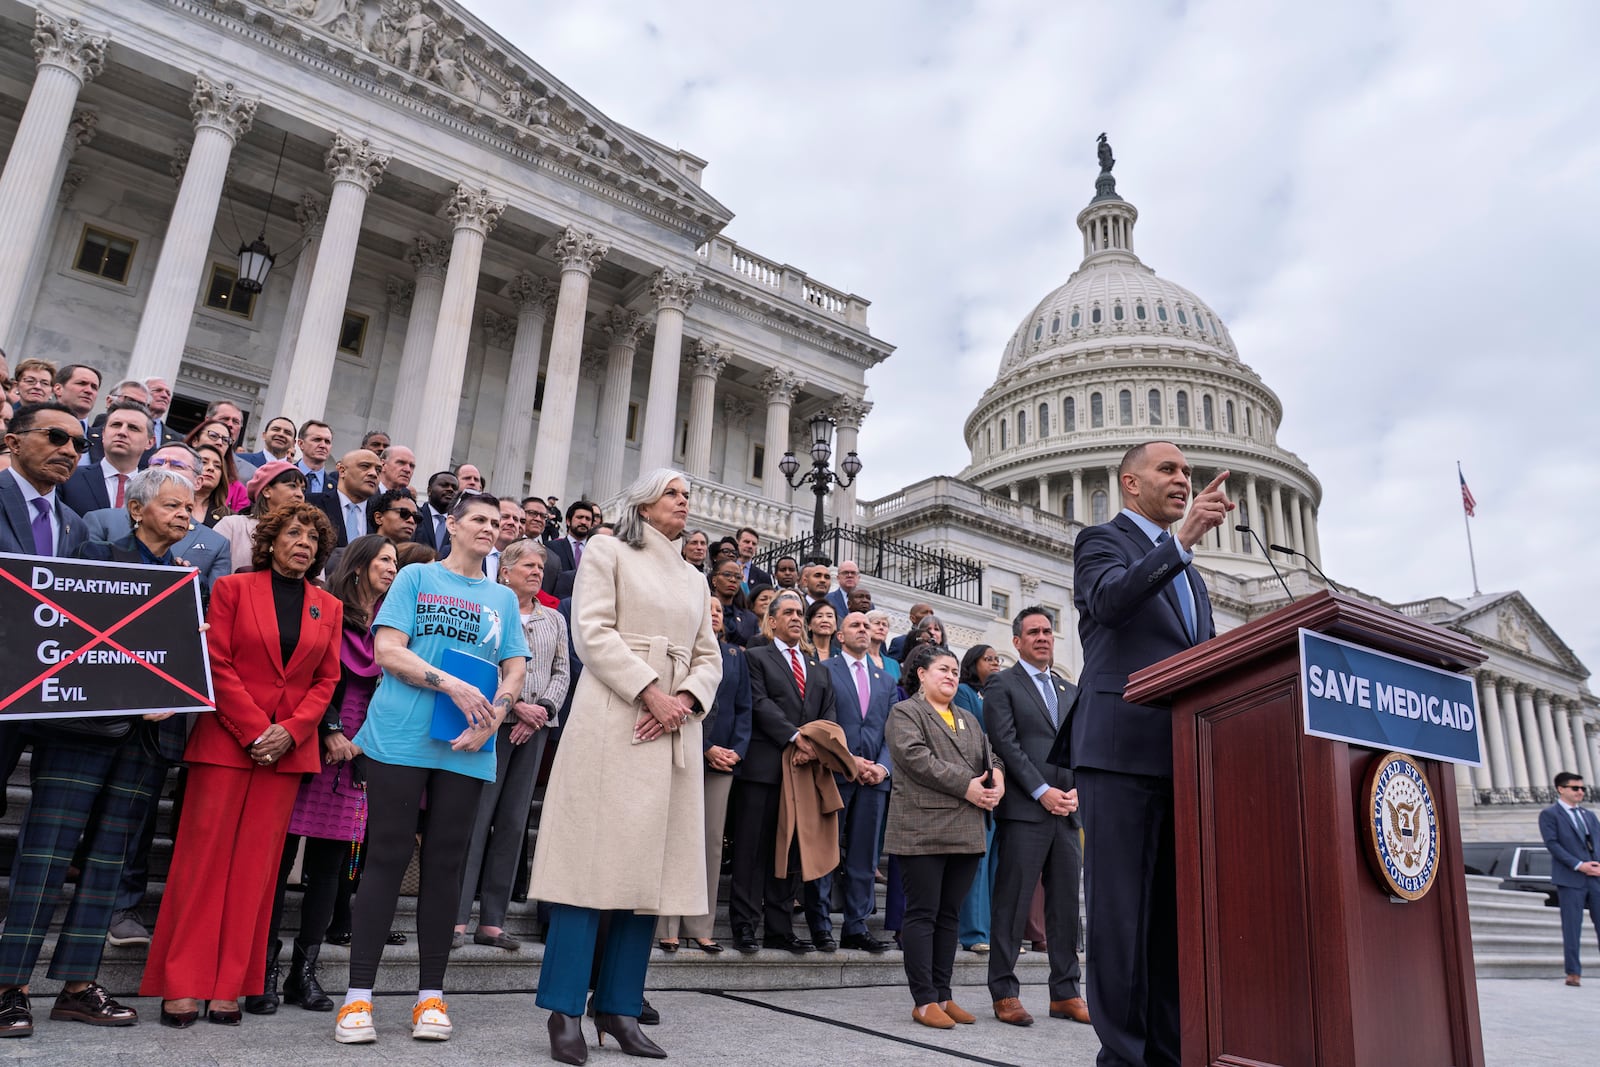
[[799, 672], [122, 489]]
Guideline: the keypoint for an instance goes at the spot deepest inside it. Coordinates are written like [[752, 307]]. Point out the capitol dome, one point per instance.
[[1118, 355]]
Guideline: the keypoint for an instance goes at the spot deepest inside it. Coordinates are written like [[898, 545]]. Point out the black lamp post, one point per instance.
[[820, 475]]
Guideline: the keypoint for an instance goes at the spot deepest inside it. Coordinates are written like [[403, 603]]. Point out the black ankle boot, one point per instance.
[[302, 987], [267, 1002]]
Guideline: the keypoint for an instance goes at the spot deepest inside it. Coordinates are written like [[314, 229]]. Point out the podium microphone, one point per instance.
[[1296, 552], [1242, 528]]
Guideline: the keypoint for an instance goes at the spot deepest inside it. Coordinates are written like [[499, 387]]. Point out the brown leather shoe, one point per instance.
[[957, 1013], [1573, 979], [1010, 1010], [934, 1016], [1074, 1008]]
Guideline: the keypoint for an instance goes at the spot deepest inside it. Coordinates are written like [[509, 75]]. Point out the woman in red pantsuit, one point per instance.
[[274, 663]]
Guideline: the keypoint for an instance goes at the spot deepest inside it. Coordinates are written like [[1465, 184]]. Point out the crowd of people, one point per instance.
[[390, 668]]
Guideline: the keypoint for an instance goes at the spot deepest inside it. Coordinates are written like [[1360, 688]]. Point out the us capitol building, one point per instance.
[[381, 214]]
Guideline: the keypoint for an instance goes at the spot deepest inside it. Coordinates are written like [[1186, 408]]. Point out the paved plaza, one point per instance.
[[1526, 1022]]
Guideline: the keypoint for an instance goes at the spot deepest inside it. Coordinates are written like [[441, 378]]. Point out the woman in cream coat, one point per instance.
[[627, 778]]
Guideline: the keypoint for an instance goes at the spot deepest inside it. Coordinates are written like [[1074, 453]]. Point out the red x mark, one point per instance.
[[101, 636]]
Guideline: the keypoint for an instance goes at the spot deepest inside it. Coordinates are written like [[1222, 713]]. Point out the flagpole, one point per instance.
[[1467, 520]]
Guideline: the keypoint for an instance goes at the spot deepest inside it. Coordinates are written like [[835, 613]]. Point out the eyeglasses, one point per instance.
[[58, 437], [1576, 788], [406, 514], [175, 464], [29, 379]]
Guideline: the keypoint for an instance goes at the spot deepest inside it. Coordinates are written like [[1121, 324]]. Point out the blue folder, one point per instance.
[[448, 720]]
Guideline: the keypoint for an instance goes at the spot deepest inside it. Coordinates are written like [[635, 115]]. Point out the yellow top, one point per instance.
[[949, 718]]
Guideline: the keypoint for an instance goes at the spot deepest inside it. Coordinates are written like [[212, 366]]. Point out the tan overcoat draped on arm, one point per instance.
[[622, 823]]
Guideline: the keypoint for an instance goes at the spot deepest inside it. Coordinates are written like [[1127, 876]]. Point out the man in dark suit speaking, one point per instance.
[[1138, 601]]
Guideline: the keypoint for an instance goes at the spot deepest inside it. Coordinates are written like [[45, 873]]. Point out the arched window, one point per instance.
[[1155, 407], [1022, 427], [1044, 420], [1183, 407], [1125, 407], [1097, 411], [1183, 319], [1003, 443], [1249, 424], [1097, 507], [1116, 311], [1138, 311], [1161, 312], [1038, 330], [1094, 315], [1069, 507], [1208, 413], [1069, 414], [1227, 409], [988, 440], [1076, 318], [1055, 323]]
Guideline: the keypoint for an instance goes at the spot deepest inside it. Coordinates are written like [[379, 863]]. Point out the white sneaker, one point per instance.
[[355, 1024], [429, 1021]]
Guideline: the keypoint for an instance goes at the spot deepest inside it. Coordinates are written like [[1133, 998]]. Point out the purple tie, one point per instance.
[[43, 543], [577, 553], [863, 693]]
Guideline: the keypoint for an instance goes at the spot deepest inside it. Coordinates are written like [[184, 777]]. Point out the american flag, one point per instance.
[[1468, 504]]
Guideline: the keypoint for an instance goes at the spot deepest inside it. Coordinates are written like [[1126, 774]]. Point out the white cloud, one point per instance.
[[1394, 206]]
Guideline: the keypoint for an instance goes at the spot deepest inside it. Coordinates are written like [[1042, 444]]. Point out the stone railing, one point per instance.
[[952, 492], [721, 509], [724, 257]]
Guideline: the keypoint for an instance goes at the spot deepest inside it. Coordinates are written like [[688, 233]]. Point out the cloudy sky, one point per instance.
[[1394, 206]]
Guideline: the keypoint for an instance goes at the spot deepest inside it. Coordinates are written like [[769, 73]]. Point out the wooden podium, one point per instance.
[[1290, 951]]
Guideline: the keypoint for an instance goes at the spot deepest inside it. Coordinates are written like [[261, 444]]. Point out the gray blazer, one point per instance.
[[933, 765]]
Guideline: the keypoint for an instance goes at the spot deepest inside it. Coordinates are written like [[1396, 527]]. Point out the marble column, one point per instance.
[[1494, 733], [1547, 737], [1538, 772], [1113, 493], [622, 329], [1079, 511], [398, 294], [1563, 717], [1044, 493], [65, 181], [68, 58], [1014, 490], [848, 412], [1516, 755], [579, 254], [309, 213], [430, 258], [535, 299], [355, 168], [1308, 525], [1275, 505], [221, 116], [473, 213], [1258, 521], [1297, 526], [674, 291], [1580, 744], [780, 388], [706, 361], [736, 440]]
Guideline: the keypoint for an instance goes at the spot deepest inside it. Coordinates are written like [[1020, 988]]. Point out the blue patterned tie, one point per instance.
[[1185, 594], [1050, 702]]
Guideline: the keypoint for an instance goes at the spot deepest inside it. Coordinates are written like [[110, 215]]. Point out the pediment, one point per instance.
[[439, 49], [1511, 622]]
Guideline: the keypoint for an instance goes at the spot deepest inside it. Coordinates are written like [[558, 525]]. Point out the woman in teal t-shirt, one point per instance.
[[432, 610]]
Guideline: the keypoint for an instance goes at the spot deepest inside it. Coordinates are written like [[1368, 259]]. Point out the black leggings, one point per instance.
[[935, 887], [326, 871], [394, 795]]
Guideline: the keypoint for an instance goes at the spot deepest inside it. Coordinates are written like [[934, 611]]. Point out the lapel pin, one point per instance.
[[316, 612]]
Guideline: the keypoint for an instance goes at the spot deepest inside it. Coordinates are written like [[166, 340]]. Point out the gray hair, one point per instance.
[[877, 616], [647, 490], [784, 594], [512, 554], [148, 483]]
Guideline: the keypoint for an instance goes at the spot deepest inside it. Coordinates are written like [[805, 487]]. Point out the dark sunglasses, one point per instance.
[[58, 437], [406, 514]]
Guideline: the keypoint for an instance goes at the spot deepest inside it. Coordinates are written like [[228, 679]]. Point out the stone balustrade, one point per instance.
[[722, 256], [721, 509]]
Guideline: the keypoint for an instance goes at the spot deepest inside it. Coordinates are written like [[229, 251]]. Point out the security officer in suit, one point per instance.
[[1138, 601], [862, 695], [1037, 828], [1572, 834], [788, 688]]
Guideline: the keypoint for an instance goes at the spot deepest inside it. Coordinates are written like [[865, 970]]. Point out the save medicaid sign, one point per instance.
[[1376, 700]]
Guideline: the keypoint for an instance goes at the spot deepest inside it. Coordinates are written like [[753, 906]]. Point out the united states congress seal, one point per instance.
[[1402, 826]]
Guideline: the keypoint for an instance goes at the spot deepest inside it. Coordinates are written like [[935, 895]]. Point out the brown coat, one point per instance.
[[933, 765], [614, 831], [810, 805]]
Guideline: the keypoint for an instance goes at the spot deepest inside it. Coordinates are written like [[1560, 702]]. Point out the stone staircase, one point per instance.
[[1514, 935]]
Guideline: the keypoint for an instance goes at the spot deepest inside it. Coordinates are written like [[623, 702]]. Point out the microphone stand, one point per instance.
[[1296, 552], [1242, 528]]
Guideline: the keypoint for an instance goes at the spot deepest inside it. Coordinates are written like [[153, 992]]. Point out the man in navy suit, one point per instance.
[[124, 438], [277, 442], [1572, 834], [1138, 601], [862, 697]]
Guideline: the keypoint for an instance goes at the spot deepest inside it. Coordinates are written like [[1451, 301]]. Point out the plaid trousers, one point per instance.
[[73, 780]]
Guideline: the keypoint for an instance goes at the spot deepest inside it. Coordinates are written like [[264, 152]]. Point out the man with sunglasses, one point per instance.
[[393, 515], [1572, 834]]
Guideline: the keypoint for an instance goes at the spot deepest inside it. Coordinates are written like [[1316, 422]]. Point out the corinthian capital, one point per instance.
[[533, 293], [221, 107], [429, 256], [81, 131], [400, 293], [781, 387], [579, 251], [68, 45], [499, 331], [474, 209], [357, 162], [850, 411], [622, 326], [674, 289], [707, 359]]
